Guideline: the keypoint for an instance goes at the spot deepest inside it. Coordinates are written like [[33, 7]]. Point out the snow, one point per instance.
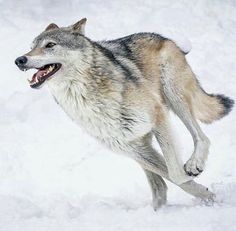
[[55, 177]]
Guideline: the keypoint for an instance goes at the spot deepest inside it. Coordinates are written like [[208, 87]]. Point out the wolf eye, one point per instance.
[[50, 45]]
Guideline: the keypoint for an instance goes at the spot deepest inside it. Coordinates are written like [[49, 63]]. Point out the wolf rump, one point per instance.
[[121, 91]]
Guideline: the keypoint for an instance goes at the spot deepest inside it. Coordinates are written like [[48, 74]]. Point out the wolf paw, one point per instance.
[[194, 166]]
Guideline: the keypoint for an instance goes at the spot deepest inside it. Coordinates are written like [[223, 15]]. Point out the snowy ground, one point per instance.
[[54, 177]]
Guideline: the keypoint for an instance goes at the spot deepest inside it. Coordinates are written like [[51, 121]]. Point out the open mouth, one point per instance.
[[43, 74]]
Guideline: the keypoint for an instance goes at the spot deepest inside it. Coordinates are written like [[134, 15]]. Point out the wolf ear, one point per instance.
[[51, 27], [79, 27]]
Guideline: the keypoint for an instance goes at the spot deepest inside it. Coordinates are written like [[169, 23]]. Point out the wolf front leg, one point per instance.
[[163, 134], [158, 187]]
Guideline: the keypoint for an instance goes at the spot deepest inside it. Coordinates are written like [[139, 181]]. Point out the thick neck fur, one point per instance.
[[89, 96]]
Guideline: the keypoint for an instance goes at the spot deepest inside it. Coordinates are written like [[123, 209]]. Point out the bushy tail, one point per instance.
[[209, 107]]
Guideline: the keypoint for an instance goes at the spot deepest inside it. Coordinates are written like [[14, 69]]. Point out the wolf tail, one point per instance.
[[209, 107]]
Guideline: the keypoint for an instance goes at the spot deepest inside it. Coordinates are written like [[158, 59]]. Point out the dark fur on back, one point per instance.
[[112, 57], [123, 46]]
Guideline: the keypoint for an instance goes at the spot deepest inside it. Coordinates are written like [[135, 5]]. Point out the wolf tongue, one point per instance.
[[40, 73]]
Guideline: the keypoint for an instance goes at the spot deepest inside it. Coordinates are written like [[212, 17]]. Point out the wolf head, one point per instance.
[[54, 51]]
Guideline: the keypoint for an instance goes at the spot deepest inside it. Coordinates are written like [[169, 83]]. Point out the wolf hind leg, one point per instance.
[[179, 100], [163, 133], [158, 188]]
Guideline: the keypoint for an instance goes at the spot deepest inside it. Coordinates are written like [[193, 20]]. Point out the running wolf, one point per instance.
[[121, 92]]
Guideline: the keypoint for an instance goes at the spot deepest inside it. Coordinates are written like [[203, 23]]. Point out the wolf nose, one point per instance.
[[21, 61]]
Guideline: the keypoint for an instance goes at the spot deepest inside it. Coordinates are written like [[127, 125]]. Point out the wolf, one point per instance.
[[121, 92]]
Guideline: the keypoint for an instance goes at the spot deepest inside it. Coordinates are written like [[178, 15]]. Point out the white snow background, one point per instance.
[[54, 177]]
